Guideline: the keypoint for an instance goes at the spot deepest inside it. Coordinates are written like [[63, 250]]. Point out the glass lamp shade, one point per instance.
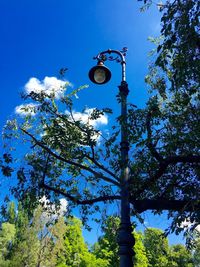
[[99, 74]]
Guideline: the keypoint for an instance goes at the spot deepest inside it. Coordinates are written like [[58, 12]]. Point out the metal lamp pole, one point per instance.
[[125, 237]]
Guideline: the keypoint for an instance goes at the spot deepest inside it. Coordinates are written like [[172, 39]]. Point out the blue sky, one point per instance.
[[39, 37]]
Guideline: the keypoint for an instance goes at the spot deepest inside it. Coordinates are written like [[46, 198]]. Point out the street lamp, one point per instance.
[[100, 74]]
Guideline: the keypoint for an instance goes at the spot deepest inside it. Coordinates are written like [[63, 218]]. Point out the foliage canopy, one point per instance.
[[70, 157]]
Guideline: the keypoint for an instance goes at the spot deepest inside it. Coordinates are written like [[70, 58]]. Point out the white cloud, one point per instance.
[[188, 224], [198, 228], [85, 118], [26, 109], [49, 85], [63, 205], [51, 212]]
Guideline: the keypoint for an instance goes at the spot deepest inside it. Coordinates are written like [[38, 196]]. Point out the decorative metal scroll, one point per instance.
[[103, 57]]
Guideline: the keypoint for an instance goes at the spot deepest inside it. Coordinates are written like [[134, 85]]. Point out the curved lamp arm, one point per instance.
[[120, 58]]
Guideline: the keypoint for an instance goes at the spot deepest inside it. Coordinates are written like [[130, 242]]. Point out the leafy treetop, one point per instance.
[[72, 158]]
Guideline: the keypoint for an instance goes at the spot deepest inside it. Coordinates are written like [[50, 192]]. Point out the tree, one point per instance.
[[156, 246], [25, 252], [49, 229], [7, 234], [11, 213], [74, 245], [75, 252], [159, 253], [197, 254], [39, 240], [172, 115], [65, 158], [106, 247], [45, 239], [196, 248], [140, 257], [180, 256]]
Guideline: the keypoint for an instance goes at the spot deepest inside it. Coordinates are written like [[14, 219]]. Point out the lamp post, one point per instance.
[[100, 74]]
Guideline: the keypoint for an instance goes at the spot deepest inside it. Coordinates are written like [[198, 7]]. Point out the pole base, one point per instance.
[[126, 242]]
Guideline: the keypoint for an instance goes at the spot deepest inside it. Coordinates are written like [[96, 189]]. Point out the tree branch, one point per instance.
[[96, 174], [165, 204], [163, 166], [182, 159], [163, 162], [45, 168], [153, 179], [150, 145], [76, 200], [102, 167]]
